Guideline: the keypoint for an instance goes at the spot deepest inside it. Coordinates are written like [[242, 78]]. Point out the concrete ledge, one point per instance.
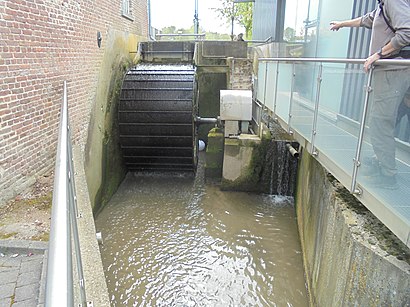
[[95, 284], [350, 258]]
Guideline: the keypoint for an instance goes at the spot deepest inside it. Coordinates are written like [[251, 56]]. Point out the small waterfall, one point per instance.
[[280, 171]]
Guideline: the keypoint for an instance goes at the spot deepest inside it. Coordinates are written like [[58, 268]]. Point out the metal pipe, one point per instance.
[[334, 60], [59, 284], [292, 150], [316, 114], [181, 34], [292, 89], [196, 18], [206, 120], [356, 161]]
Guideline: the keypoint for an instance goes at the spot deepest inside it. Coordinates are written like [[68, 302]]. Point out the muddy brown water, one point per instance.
[[174, 240]]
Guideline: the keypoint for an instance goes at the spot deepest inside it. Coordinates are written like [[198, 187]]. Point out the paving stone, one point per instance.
[[5, 302], [26, 303], [26, 292], [32, 258], [8, 268], [29, 266], [28, 278], [10, 262], [7, 277], [22, 273], [7, 290]]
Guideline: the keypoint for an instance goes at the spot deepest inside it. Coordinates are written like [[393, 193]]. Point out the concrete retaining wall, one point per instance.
[[350, 258]]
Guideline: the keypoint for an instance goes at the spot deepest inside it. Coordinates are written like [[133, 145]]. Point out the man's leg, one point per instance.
[[389, 89]]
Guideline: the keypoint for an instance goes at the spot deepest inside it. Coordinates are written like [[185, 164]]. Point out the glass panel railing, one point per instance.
[[347, 116], [385, 160], [284, 90], [304, 98], [261, 82], [270, 90], [336, 135]]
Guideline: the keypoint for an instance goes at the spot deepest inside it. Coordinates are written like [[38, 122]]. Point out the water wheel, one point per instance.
[[156, 118]]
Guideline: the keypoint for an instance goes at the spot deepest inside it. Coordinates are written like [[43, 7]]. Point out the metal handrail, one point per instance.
[[403, 62], [59, 283], [201, 35]]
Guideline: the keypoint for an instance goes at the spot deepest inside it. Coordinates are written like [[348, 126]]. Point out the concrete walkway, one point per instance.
[[22, 273]]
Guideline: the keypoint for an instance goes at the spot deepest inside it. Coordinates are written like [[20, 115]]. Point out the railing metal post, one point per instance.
[[59, 285], [316, 113], [276, 91], [356, 160], [264, 98], [292, 88]]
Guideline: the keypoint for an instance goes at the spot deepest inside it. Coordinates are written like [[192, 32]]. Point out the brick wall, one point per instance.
[[43, 43]]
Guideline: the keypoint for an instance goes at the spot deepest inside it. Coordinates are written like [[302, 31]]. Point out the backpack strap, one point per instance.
[[381, 4]]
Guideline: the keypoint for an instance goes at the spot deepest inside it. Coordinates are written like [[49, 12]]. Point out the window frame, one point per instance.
[[126, 9]]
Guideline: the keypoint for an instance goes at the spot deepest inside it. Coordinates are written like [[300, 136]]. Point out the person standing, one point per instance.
[[390, 38]]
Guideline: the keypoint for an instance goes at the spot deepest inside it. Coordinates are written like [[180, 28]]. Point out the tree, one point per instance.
[[239, 12], [289, 34]]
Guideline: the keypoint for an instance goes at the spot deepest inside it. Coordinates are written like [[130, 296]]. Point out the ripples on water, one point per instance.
[[175, 241]]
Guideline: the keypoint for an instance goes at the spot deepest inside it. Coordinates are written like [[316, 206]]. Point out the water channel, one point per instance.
[[176, 240]]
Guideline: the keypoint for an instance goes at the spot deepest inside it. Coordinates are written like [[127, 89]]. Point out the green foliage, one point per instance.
[[240, 12], [208, 35], [289, 34]]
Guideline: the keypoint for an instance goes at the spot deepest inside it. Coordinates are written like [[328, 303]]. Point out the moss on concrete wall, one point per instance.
[[103, 160], [350, 258], [251, 157], [209, 84]]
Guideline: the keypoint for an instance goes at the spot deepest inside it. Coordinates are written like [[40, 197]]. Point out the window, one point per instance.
[[126, 9]]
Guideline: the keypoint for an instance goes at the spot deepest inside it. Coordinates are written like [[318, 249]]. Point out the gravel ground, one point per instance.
[[27, 217]]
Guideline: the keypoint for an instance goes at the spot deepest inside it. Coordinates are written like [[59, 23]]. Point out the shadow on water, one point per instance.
[[174, 240]]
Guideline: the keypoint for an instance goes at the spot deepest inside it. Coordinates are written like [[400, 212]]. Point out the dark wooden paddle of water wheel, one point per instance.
[[156, 118]]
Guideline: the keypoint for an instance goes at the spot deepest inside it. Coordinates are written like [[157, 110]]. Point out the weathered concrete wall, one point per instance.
[[103, 162], [214, 153], [350, 258], [210, 82]]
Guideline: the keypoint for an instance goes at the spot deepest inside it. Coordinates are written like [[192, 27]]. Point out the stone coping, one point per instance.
[[23, 246]]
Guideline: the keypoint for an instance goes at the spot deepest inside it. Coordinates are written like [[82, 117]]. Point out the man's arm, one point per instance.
[[352, 23]]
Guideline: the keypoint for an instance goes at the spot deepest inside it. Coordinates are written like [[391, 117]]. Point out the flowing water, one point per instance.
[[174, 240]]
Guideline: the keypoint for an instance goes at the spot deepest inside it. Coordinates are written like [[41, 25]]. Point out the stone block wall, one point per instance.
[[43, 43], [240, 74]]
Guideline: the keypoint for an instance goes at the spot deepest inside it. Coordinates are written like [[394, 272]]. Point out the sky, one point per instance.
[[180, 13]]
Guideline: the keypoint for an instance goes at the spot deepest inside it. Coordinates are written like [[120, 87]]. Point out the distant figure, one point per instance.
[[240, 37]]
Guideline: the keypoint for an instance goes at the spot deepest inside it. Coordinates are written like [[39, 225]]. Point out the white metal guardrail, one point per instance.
[[305, 95], [61, 290]]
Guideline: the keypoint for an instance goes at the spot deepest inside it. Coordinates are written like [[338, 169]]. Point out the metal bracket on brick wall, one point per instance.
[[99, 39]]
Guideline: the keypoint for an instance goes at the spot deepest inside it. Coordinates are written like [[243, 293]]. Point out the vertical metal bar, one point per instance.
[[59, 284], [292, 88], [74, 215], [276, 90], [255, 106], [316, 113], [265, 88], [262, 108], [356, 160]]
